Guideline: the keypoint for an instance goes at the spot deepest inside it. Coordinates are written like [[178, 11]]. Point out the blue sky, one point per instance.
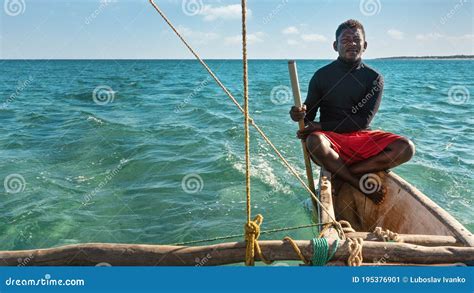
[[117, 29]]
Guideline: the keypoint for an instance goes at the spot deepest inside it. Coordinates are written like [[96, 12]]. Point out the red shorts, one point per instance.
[[357, 146]]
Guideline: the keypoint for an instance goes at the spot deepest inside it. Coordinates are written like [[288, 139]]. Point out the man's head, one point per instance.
[[350, 40]]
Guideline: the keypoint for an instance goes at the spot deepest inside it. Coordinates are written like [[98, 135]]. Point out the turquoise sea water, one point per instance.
[[157, 156]]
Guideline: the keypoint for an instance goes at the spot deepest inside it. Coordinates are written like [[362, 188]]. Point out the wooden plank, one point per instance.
[[91, 254]]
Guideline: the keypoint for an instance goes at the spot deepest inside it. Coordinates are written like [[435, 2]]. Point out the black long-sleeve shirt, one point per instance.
[[348, 96]]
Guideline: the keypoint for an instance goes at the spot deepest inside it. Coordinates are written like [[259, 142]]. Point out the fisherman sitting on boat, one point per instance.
[[348, 94]]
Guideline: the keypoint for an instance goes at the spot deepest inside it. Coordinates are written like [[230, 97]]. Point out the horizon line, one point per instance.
[[460, 56]]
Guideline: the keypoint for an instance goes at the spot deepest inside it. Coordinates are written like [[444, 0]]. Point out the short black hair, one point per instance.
[[349, 24]]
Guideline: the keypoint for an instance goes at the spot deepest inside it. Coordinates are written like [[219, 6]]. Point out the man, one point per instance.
[[348, 94]]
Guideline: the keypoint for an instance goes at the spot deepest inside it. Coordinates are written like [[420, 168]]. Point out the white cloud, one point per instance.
[[429, 37], [462, 37], [292, 42], [290, 30], [251, 39], [227, 12], [395, 34], [313, 38], [449, 38], [197, 36]]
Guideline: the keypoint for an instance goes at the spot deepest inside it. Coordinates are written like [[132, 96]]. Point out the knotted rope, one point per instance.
[[355, 250], [346, 226], [252, 232], [341, 228], [387, 235]]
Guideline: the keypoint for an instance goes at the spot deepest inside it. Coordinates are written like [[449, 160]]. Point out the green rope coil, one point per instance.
[[321, 254]]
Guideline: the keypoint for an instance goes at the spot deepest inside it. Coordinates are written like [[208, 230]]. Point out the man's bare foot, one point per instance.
[[378, 196], [370, 185]]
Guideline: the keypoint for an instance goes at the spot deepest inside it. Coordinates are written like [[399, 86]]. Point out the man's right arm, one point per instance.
[[313, 99], [310, 107]]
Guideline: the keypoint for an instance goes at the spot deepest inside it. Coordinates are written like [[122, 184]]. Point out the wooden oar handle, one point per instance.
[[296, 88], [297, 97]]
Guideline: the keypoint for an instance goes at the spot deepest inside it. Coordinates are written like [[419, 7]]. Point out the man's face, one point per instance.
[[350, 44]]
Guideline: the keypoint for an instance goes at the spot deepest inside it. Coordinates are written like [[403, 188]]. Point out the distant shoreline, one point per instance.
[[453, 57]]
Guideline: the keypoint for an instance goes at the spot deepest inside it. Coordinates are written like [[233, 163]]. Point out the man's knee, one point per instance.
[[406, 149], [315, 141]]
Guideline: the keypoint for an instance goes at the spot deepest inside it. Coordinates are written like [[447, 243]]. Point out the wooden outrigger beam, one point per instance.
[[91, 254]]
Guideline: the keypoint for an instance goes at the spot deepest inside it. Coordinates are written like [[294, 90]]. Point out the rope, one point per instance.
[[252, 228], [387, 235], [321, 255], [338, 227], [252, 232], [346, 226], [241, 235], [246, 107], [251, 121], [297, 250], [355, 250]]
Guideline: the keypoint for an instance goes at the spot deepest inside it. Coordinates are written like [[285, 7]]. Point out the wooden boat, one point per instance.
[[406, 210]]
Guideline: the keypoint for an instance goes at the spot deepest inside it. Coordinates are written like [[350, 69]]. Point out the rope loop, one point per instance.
[[252, 232], [297, 250], [355, 249], [346, 226], [338, 226], [387, 235]]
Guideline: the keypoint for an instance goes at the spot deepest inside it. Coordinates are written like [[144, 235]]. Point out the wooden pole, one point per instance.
[[92, 254], [297, 98]]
